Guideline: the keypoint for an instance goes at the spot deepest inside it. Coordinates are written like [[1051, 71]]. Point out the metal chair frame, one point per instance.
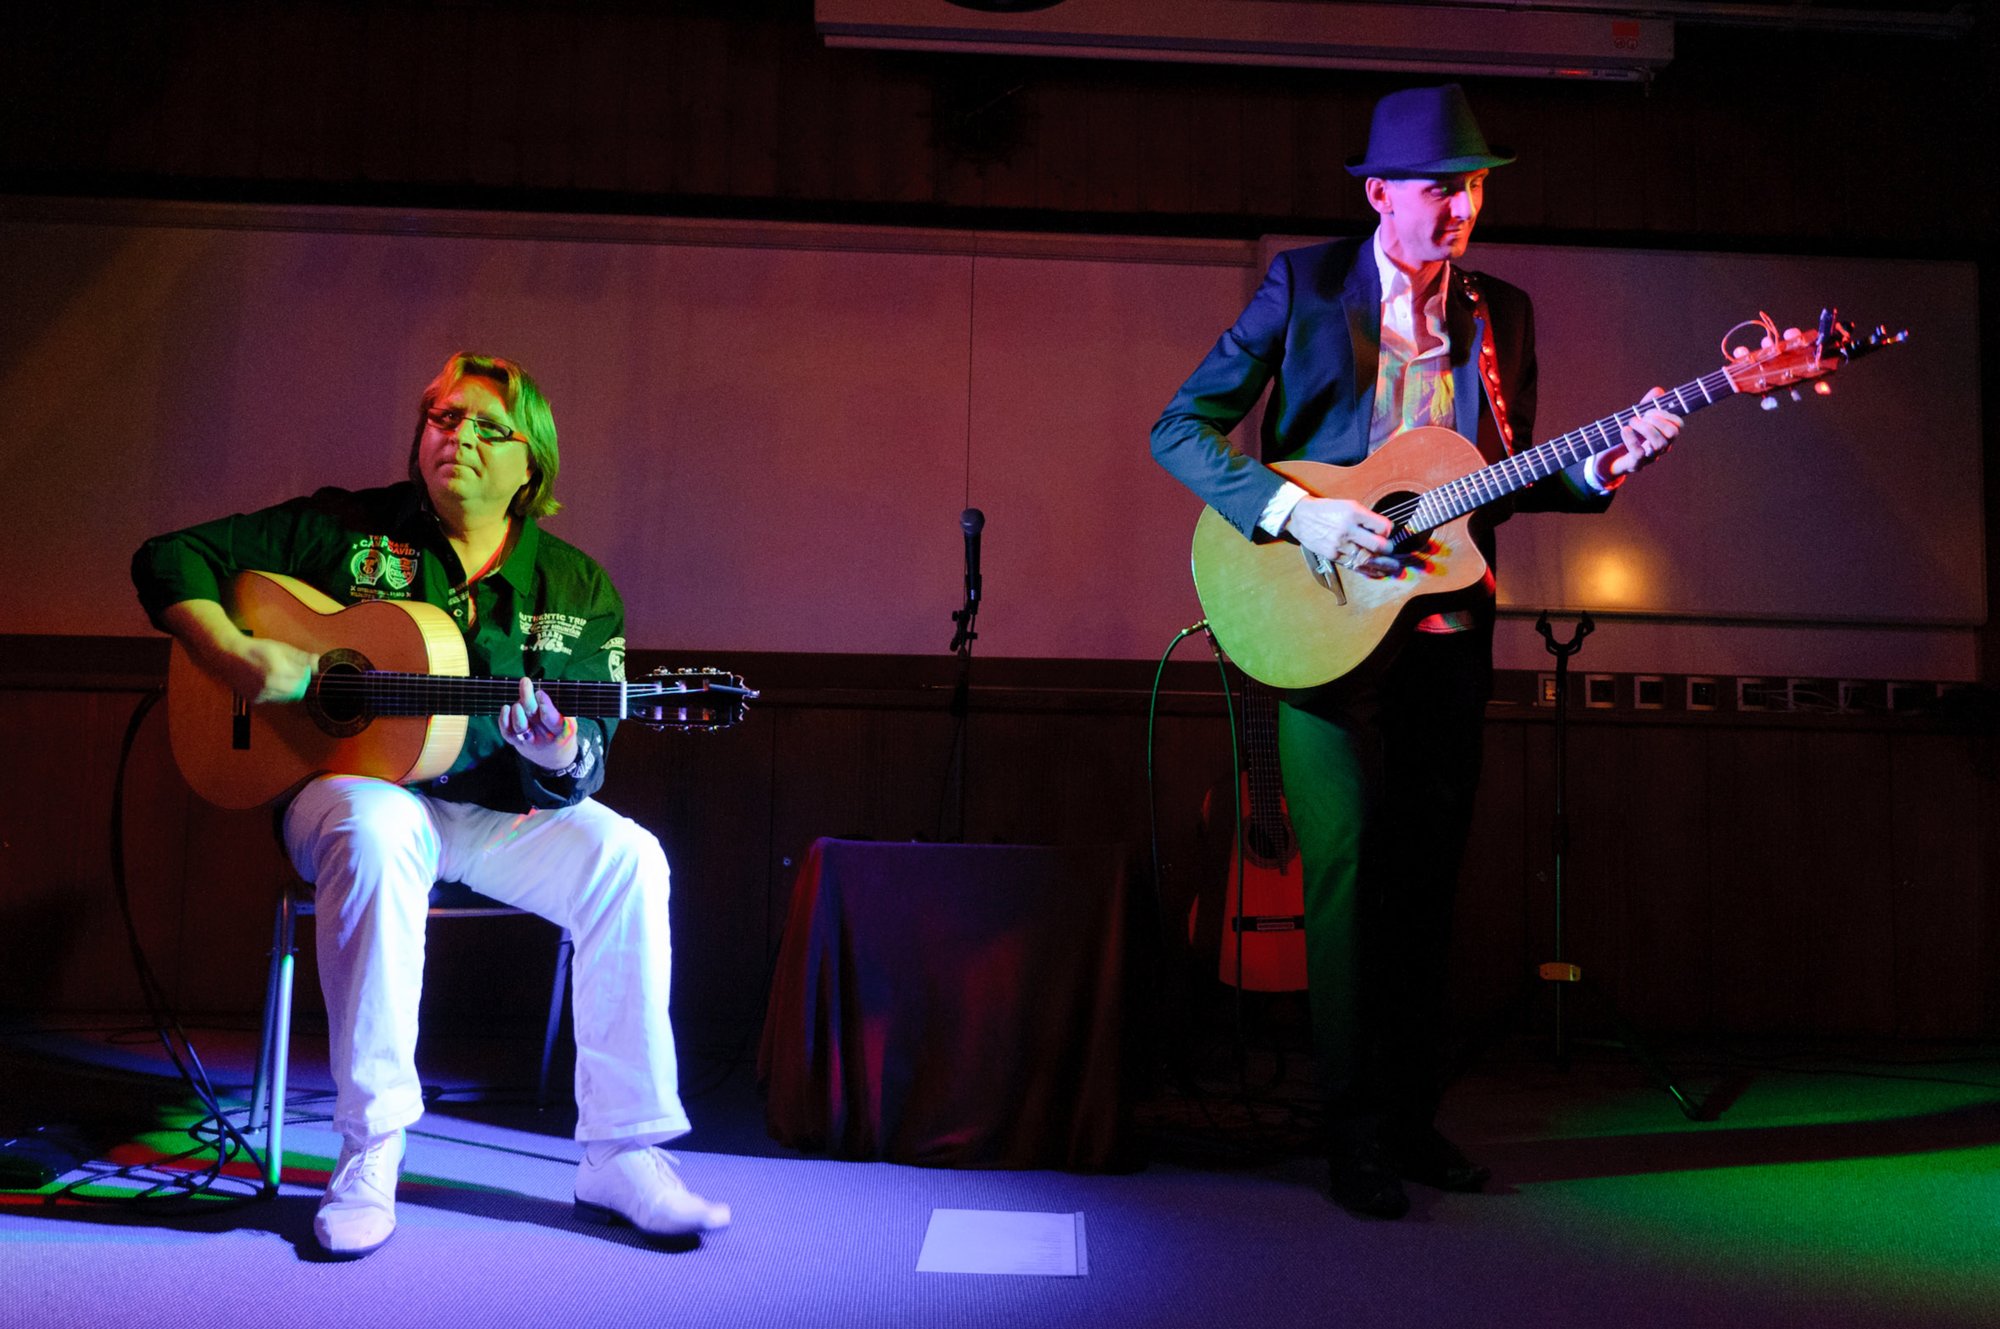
[[449, 899]]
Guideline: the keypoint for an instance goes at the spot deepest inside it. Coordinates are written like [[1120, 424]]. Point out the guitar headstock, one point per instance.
[[1789, 358], [690, 699]]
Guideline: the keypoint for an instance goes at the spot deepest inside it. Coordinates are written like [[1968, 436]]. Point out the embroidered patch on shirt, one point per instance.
[[381, 568], [614, 656], [550, 631]]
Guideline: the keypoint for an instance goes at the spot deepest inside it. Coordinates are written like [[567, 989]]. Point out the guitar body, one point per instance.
[[239, 757], [1291, 625], [1272, 909]]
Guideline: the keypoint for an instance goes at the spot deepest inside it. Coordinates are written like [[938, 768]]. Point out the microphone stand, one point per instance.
[[962, 637], [1558, 972]]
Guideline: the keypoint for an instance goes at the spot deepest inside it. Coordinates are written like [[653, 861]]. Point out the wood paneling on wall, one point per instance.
[[1810, 874], [1750, 137]]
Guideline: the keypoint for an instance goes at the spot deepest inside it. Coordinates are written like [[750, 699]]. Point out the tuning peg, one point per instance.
[[1767, 403], [1822, 387]]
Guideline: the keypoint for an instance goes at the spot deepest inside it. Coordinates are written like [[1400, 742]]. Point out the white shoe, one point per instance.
[[639, 1186], [358, 1212]]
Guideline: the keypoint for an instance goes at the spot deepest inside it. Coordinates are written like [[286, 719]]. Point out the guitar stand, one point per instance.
[[1558, 973]]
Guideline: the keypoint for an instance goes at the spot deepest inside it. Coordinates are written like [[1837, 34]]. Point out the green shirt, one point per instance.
[[548, 612]]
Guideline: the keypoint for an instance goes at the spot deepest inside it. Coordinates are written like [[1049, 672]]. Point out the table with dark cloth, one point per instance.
[[952, 1006]]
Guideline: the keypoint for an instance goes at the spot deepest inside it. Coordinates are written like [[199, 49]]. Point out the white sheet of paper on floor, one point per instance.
[[998, 1241]]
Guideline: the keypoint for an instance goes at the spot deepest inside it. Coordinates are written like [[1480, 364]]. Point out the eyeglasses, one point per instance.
[[449, 421]]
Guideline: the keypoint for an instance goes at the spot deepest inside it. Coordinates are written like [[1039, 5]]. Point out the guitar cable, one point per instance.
[[163, 1182], [1251, 1102], [1240, 1043], [1163, 907], [1236, 922]]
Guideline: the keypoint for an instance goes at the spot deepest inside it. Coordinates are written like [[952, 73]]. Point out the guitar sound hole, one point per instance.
[[338, 703], [1268, 846], [1407, 541]]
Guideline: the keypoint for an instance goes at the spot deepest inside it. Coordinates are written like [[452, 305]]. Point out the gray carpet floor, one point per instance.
[[1841, 1187]]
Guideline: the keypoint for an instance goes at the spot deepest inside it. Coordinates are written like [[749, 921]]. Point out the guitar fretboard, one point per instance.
[[1490, 483], [379, 692], [1267, 833]]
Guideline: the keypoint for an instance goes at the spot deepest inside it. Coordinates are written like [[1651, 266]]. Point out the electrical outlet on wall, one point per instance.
[[1855, 695], [1910, 696], [1754, 694]]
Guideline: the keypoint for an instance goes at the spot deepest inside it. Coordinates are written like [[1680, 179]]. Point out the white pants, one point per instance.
[[373, 851]]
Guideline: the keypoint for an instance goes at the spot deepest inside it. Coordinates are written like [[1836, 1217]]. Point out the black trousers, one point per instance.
[[1380, 770]]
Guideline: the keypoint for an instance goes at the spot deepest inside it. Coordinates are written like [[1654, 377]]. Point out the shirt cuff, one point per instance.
[[1600, 479], [1279, 510]]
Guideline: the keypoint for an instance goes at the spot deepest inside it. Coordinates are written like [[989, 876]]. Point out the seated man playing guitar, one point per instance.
[[1366, 339], [512, 817]]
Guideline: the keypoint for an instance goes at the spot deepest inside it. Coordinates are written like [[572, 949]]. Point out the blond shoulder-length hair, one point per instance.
[[530, 409]]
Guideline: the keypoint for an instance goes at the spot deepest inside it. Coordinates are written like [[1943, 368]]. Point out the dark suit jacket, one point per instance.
[[1312, 334]]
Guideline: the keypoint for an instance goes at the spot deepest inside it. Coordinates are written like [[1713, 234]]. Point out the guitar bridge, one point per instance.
[[1268, 923], [1327, 573]]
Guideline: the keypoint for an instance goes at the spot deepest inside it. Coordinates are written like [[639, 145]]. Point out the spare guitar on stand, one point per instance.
[[1251, 915], [1262, 910]]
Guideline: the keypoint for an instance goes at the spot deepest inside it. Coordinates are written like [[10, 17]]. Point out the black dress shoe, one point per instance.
[[1362, 1183], [1426, 1157]]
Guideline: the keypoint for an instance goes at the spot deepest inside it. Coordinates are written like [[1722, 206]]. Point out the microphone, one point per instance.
[[972, 521]]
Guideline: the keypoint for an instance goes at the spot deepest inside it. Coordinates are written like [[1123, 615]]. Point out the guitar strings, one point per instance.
[[1455, 498], [387, 692]]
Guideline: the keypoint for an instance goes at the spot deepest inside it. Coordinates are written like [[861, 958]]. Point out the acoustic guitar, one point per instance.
[[1292, 619], [390, 697], [1263, 899]]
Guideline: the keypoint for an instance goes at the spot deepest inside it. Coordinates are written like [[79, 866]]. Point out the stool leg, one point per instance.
[[277, 1050], [262, 1083], [565, 947]]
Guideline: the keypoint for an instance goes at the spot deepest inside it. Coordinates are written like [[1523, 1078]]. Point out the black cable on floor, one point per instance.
[[206, 1188]]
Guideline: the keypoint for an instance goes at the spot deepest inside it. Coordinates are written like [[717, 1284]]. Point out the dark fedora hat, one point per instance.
[[1425, 132]]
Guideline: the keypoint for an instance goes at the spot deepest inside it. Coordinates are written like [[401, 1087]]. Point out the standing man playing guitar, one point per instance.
[[1364, 339], [512, 818]]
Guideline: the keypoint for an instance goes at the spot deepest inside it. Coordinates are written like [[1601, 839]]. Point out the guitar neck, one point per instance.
[[1491, 483], [392, 694], [1266, 824], [1260, 747]]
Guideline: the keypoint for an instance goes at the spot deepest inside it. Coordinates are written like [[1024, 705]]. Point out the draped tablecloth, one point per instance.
[[952, 1006]]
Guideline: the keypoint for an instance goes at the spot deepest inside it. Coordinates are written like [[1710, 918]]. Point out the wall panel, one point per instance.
[[769, 432], [1736, 875]]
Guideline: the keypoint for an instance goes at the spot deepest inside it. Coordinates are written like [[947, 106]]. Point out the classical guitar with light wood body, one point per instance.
[[390, 697], [1292, 619]]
